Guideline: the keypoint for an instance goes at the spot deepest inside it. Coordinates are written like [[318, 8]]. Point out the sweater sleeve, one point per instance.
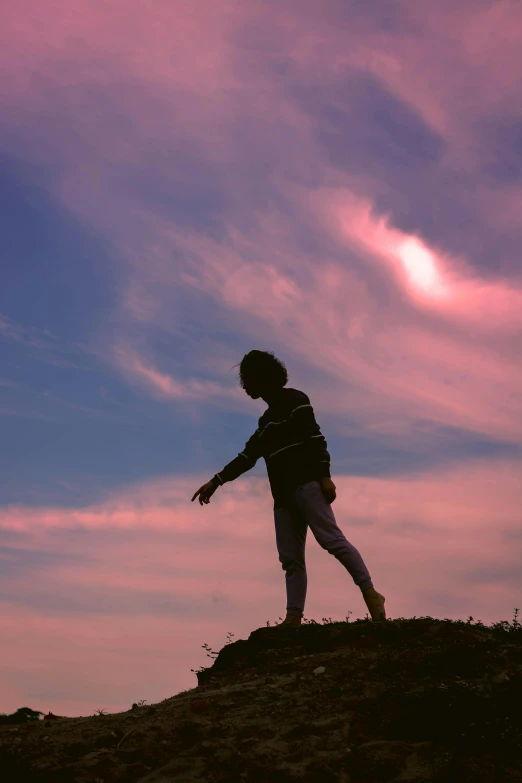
[[244, 461]]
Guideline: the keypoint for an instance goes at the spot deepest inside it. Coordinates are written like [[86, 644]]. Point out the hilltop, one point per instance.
[[420, 700]]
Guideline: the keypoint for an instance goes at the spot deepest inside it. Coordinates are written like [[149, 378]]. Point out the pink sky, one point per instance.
[[440, 544], [223, 152]]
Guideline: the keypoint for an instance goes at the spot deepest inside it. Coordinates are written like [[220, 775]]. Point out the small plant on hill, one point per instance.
[[502, 625]]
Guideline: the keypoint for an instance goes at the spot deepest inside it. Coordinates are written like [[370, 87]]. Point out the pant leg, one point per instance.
[[290, 531], [318, 514]]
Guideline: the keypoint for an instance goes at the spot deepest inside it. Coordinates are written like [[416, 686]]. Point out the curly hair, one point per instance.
[[262, 366]]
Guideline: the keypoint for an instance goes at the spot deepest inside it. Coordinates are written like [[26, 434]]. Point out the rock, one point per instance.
[[129, 755], [200, 705], [105, 765], [105, 740], [76, 749], [93, 758]]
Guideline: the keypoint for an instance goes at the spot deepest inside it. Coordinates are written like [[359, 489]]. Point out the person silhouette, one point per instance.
[[298, 466]]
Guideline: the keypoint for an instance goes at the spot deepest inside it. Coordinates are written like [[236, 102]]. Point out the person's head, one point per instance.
[[260, 372]]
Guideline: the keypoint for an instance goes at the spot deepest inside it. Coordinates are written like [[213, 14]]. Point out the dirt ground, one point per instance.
[[419, 700]]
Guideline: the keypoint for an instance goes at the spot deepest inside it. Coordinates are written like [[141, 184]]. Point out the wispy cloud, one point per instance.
[[442, 347], [42, 343], [244, 187], [146, 561], [164, 384], [24, 413]]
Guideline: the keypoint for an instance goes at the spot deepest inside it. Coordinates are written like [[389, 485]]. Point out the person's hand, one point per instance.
[[205, 492], [328, 488]]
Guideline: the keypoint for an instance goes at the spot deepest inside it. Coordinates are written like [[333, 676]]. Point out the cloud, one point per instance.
[[119, 578], [432, 279], [371, 275], [417, 332], [42, 344], [162, 383]]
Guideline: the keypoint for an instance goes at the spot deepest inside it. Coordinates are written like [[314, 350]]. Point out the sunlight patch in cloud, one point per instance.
[[421, 267], [433, 279]]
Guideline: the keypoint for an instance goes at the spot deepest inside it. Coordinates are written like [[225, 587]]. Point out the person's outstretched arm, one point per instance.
[[244, 461]]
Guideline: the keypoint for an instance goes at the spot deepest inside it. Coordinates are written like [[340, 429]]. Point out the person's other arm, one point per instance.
[[302, 427]]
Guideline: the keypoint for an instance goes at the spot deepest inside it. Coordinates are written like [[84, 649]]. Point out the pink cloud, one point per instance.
[[452, 63], [162, 383], [186, 77], [446, 355], [430, 363], [154, 568], [194, 54], [432, 279], [191, 392]]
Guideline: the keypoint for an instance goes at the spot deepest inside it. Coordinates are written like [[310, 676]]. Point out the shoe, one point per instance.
[[375, 603], [292, 620]]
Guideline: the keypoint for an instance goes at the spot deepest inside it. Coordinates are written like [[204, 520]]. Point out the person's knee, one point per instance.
[[335, 548], [291, 564]]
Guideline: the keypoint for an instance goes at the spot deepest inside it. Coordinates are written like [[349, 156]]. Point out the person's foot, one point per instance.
[[292, 620], [375, 603]]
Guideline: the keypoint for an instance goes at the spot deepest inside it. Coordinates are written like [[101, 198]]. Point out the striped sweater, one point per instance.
[[290, 441]]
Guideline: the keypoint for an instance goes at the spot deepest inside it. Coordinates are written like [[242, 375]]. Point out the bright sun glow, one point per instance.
[[420, 267]]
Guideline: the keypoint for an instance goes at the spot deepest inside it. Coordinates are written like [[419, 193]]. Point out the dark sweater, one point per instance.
[[290, 441]]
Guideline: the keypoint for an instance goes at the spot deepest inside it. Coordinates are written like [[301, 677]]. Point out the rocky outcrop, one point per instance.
[[419, 700]]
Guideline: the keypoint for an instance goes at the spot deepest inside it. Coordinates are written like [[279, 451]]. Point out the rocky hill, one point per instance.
[[420, 700]]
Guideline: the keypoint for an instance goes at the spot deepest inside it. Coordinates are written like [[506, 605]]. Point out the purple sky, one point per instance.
[[338, 182]]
